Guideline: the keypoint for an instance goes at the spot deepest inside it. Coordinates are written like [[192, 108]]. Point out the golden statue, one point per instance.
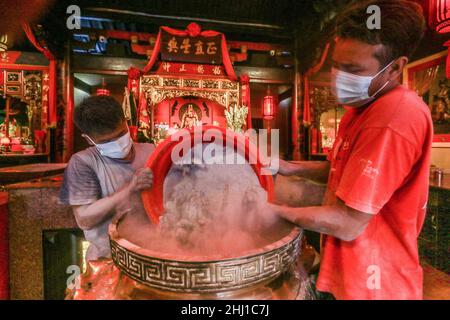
[[190, 118]]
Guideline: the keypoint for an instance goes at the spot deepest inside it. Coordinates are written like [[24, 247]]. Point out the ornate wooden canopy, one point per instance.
[[158, 88]]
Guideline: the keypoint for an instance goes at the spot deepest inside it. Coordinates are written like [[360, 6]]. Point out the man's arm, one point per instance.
[[90, 215], [339, 220], [312, 170]]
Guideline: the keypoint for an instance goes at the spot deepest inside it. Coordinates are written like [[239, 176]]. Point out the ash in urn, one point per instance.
[[210, 209]]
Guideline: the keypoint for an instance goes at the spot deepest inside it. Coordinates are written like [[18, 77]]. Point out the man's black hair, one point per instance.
[[402, 27], [98, 115]]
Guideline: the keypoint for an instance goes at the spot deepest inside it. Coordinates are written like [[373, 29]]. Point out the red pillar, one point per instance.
[[52, 93], [295, 118], [4, 247], [296, 111], [69, 101]]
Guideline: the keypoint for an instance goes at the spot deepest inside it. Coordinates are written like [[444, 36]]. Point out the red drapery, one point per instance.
[[309, 73], [52, 72]]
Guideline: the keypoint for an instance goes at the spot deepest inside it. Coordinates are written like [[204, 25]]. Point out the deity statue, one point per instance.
[[190, 118], [441, 104]]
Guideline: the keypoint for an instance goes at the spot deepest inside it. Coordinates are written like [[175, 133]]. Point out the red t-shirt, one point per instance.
[[380, 165]]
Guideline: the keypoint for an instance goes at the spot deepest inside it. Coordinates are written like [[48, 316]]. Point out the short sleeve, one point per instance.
[[80, 184], [378, 164]]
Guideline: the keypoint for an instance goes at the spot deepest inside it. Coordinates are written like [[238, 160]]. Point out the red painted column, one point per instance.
[[295, 118], [52, 93], [4, 247], [296, 112]]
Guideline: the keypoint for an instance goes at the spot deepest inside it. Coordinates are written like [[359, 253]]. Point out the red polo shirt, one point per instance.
[[380, 165]]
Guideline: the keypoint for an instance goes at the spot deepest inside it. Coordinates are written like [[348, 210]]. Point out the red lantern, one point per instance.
[[440, 20], [440, 15], [103, 91], [268, 106]]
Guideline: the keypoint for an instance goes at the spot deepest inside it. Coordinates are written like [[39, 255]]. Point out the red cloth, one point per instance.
[[4, 247], [160, 162], [380, 165]]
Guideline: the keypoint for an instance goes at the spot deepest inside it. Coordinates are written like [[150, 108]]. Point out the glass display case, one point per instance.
[[24, 111], [326, 115]]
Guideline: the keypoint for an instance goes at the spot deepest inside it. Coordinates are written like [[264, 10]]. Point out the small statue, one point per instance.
[[441, 107], [190, 118], [236, 117]]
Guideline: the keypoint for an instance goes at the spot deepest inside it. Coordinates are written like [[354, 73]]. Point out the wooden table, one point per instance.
[[26, 172], [12, 159]]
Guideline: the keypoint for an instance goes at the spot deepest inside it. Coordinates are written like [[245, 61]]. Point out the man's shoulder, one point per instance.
[[399, 107], [403, 112], [410, 101], [83, 156], [411, 113]]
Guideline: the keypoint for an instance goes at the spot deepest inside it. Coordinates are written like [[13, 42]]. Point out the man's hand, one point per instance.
[[313, 170], [142, 179], [90, 215]]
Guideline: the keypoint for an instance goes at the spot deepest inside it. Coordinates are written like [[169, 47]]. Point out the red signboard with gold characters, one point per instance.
[[191, 49]]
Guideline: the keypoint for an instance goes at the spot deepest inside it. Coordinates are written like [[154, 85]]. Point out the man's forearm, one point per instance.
[[91, 215], [333, 220], [312, 170]]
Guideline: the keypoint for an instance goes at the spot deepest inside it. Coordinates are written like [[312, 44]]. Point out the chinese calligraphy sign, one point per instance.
[[191, 49]]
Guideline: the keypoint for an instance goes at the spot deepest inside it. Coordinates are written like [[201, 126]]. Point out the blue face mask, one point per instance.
[[353, 90], [117, 149]]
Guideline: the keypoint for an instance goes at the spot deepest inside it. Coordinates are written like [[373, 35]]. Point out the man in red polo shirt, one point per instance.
[[378, 168]]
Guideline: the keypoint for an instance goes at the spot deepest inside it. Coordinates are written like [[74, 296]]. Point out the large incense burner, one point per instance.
[[178, 252], [208, 276]]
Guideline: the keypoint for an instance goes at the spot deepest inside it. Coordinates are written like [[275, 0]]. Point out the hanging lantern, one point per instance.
[[440, 15], [268, 106], [103, 91]]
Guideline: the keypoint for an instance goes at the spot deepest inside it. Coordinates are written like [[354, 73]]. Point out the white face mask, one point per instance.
[[117, 149], [353, 90]]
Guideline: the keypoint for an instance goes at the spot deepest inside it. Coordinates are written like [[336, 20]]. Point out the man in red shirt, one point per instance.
[[378, 168]]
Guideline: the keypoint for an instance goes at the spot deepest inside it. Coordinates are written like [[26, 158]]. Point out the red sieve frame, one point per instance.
[[160, 162]]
